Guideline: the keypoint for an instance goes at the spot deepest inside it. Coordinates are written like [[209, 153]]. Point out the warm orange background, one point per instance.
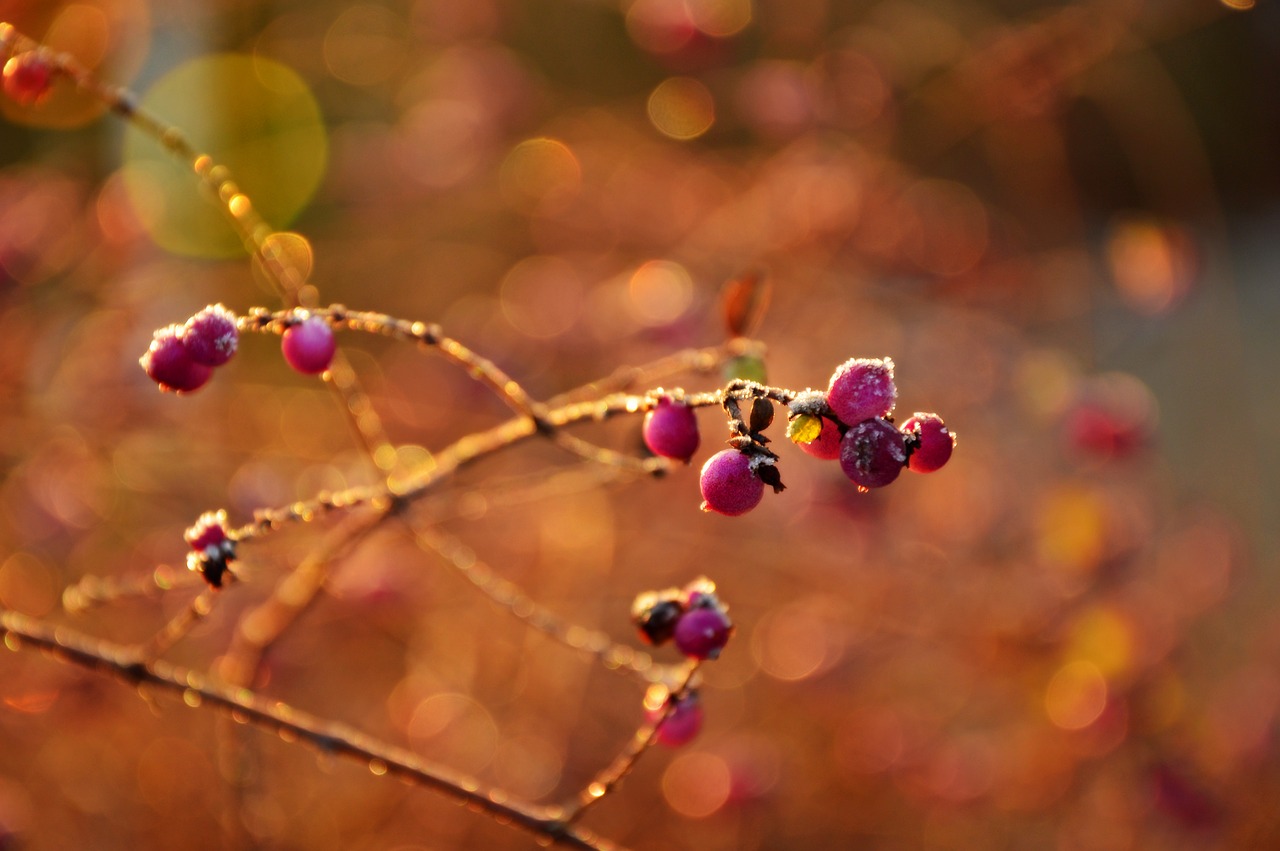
[[1054, 217]]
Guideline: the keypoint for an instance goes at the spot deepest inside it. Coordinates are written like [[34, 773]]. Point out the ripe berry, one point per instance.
[[682, 724], [27, 77], [930, 440], [872, 453], [210, 530], [703, 632], [309, 345], [861, 389], [168, 364], [671, 430], [729, 484], [210, 336], [827, 445]]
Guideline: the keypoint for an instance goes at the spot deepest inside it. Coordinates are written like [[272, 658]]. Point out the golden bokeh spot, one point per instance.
[[366, 45], [540, 172], [1072, 530], [1076, 696], [682, 108], [1104, 638], [1152, 264], [255, 116], [696, 785], [660, 291], [720, 18]]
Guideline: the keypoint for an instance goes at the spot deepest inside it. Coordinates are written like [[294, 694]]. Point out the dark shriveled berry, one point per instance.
[[872, 453], [655, 614]]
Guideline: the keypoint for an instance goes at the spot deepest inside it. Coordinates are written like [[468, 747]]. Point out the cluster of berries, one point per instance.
[[182, 357], [213, 549], [851, 422], [28, 76], [693, 616]]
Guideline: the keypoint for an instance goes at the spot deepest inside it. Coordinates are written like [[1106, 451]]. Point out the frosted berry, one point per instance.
[[729, 484], [210, 530], [827, 444], [655, 614], [309, 345], [210, 336], [168, 364], [861, 389], [27, 77], [872, 453], [671, 430], [683, 722], [930, 441], [702, 633]]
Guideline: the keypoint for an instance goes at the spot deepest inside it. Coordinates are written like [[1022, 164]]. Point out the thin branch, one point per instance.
[[331, 738]]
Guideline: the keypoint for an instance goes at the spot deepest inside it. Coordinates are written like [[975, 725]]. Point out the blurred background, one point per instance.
[[1057, 218]]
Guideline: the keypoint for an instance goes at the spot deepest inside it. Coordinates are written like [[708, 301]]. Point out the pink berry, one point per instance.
[[309, 346], [872, 453], [932, 442], [703, 632], [861, 389], [827, 444], [682, 724], [729, 485], [27, 77], [671, 430], [210, 336], [210, 530], [168, 364]]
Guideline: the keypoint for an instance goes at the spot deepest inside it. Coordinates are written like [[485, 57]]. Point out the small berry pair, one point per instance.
[[693, 616], [182, 358], [213, 548]]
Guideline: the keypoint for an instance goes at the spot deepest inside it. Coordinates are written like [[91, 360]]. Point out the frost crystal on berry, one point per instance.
[[168, 364], [862, 388], [930, 442], [211, 337], [872, 453]]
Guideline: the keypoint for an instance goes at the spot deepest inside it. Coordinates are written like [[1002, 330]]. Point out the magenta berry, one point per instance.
[[168, 364], [682, 723], [872, 453], [210, 336], [309, 345], [827, 444], [729, 484], [210, 530], [213, 549], [861, 389], [671, 430], [702, 633], [27, 77], [930, 442]]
